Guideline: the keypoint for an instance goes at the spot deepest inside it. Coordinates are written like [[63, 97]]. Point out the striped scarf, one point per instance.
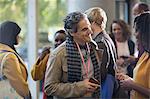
[[74, 63]]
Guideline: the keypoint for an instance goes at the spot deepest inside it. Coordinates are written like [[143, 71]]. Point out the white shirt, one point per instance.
[[123, 48]]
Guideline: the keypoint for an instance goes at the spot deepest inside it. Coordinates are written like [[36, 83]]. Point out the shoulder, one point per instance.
[[99, 38], [10, 55], [60, 50], [131, 42]]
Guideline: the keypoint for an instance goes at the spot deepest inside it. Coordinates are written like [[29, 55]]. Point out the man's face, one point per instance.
[[59, 38], [83, 32]]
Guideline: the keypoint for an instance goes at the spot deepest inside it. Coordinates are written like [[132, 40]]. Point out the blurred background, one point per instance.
[[40, 19]]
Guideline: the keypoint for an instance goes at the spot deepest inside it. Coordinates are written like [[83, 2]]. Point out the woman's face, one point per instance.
[[18, 38], [117, 31]]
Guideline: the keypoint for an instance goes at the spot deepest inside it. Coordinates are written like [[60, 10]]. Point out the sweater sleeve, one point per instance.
[[38, 70]]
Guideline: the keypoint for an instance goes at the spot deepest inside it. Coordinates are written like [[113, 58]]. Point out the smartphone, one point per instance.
[[124, 57], [93, 80]]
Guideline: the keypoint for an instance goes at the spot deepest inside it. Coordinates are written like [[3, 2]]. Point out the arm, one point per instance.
[[104, 60], [39, 68], [140, 89], [16, 76], [128, 83]]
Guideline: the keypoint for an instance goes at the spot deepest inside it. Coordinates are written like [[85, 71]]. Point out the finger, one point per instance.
[[90, 90], [95, 86], [120, 77]]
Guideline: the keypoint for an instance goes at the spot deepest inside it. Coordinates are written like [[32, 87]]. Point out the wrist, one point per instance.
[[132, 85]]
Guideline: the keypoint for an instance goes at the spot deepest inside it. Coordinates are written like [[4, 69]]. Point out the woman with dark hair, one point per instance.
[[140, 84], [120, 34], [13, 69]]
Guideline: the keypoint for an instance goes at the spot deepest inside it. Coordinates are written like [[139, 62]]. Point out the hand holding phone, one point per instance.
[[93, 80]]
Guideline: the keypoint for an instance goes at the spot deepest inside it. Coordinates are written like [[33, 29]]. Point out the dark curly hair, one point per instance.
[[143, 6], [71, 21], [60, 31]]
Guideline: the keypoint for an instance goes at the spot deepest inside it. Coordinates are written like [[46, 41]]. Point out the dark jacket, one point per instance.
[[107, 65]]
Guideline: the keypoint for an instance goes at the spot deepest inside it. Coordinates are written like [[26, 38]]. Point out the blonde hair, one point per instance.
[[97, 15]]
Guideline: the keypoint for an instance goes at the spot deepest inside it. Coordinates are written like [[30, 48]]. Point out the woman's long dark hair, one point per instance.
[[142, 25], [8, 33], [126, 32]]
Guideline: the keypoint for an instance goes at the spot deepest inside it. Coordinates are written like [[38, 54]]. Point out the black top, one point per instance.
[[102, 40]]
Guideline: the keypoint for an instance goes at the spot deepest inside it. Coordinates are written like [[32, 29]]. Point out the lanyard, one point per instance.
[[86, 68]]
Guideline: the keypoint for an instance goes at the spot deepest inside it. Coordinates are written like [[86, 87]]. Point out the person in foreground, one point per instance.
[[140, 84], [138, 9], [73, 70], [13, 69]]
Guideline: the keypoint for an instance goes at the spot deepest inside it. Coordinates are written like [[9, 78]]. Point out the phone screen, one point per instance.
[[93, 80]]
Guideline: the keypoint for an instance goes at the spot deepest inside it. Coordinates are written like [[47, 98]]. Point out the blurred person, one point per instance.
[[140, 84], [40, 64], [13, 69], [139, 8], [59, 37], [98, 19], [121, 36], [39, 68], [73, 70]]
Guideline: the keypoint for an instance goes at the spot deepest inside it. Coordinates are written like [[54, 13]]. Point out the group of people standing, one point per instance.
[[85, 61]]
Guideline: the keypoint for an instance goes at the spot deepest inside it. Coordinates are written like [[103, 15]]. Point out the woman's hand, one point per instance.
[[121, 76], [120, 61], [126, 82]]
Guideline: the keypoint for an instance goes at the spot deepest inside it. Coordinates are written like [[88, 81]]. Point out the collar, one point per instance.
[[5, 47]]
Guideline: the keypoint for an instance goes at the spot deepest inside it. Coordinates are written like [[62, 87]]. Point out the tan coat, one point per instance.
[[56, 76], [15, 71]]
